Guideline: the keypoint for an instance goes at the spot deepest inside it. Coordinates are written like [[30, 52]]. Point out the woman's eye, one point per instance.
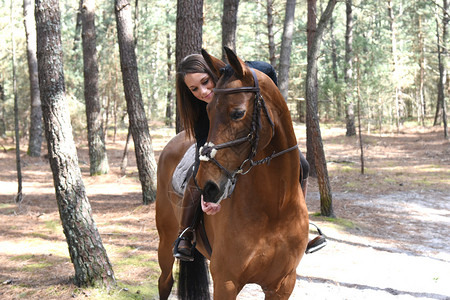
[[237, 114]]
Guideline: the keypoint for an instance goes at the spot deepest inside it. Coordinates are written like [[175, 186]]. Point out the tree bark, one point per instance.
[[334, 66], [92, 266], [311, 32], [145, 158], [96, 138], [229, 25], [169, 97], [188, 35], [441, 113], [395, 72], [349, 109], [270, 34], [18, 197], [35, 141], [78, 25], [358, 89], [2, 112], [313, 127], [124, 162], [286, 46], [421, 104], [334, 59]]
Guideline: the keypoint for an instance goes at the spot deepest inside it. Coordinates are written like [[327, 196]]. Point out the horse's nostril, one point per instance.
[[210, 191]]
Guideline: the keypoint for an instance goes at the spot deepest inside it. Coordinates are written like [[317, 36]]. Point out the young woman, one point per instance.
[[195, 83]]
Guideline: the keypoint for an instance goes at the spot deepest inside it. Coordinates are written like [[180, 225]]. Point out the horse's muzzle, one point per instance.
[[216, 193], [211, 192]]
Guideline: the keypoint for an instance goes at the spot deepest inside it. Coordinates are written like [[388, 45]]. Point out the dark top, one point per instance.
[[201, 128]]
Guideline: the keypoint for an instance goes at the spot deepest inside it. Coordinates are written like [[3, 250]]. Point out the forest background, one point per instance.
[[411, 72]]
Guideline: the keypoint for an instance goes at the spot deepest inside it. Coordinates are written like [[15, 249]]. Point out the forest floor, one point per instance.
[[390, 239]]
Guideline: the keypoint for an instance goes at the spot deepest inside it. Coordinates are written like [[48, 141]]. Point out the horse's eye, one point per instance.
[[237, 114]]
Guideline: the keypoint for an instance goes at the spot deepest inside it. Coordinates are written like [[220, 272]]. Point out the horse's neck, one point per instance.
[[269, 189], [284, 135], [276, 182]]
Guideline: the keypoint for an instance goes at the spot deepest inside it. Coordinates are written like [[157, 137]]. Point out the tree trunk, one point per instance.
[[136, 23], [358, 89], [395, 72], [444, 71], [229, 25], [334, 67], [189, 34], [35, 141], [2, 112], [18, 197], [349, 109], [313, 127], [333, 52], [270, 34], [78, 25], [311, 28], [92, 266], [96, 138], [421, 104], [169, 97], [442, 52], [124, 162], [286, 46], [442, 63], [145, 158]]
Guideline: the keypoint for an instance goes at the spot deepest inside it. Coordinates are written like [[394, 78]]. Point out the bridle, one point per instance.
[[208, 151]]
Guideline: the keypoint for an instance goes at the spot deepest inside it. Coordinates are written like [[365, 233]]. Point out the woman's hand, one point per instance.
[[210, 208]]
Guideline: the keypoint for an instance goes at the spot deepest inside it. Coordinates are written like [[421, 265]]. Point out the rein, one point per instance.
[[209, 150]]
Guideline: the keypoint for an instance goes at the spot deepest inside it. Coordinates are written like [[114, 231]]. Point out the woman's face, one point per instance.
[[201, 86]]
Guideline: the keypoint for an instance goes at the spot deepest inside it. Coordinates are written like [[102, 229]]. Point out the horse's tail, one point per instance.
[[193, 281]]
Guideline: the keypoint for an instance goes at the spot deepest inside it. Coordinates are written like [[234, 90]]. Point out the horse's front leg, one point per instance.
[[225, 285], [285, 289], [225, 290]]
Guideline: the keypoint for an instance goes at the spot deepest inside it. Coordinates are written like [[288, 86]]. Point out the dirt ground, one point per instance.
[[390, 239]]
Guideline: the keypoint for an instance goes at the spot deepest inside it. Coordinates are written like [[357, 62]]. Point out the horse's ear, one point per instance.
[[214, 64], [236, 63]]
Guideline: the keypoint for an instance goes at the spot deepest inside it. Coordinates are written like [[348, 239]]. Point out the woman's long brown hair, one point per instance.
[[188, 105]]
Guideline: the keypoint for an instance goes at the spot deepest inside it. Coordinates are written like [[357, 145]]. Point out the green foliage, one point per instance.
[[338, 222], [155, 33], [52, 225]]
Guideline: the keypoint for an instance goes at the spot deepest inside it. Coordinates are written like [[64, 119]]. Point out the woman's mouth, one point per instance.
[[209, 96]]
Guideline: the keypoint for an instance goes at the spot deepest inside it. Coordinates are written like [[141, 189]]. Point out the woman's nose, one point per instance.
[[205, 91]]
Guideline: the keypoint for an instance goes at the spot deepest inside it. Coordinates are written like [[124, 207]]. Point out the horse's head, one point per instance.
[[240, 125]]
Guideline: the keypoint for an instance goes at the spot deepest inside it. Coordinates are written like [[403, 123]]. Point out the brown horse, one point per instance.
[[261, 231]]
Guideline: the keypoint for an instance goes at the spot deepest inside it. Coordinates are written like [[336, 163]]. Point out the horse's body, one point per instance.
[[261, 231]]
